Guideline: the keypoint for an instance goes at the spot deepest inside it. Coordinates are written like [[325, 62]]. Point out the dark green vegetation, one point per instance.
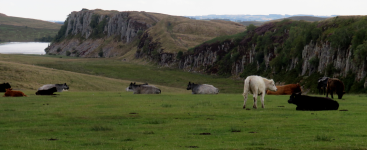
[[10, 33], [118, 69], [122, 120], [285, 41]]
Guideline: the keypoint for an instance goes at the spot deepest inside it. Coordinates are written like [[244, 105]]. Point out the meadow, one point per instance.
[[98, 113], [9, 33], [122, 120]]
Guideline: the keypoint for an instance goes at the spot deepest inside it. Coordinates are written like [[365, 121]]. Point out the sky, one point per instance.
[[58, 10]]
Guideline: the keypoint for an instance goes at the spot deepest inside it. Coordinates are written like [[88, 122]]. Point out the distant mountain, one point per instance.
[[242, 18], [295, 18]]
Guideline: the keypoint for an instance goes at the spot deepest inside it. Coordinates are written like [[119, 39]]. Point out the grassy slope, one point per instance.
[[31, 77], [31, 23], [10, 33], [121, 120], [17, 29], [117, 69]]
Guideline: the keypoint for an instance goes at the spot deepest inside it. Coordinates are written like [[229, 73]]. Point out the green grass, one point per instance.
[[10, 33], [114, 68], [122, 120]]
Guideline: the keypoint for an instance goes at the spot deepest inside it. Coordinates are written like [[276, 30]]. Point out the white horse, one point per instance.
[[257, 85]]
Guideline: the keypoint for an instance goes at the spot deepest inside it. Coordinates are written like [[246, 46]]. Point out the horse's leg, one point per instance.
[[255, 100], [245, 93]]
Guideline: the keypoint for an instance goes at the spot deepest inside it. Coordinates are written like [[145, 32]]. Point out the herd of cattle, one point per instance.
[[256, 85]]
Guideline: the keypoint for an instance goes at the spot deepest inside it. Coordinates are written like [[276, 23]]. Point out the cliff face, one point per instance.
[[82, 40]]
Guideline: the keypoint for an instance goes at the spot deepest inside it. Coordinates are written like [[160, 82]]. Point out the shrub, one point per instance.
[[58, 49], [100, 54], [179, 55], [68, 53]]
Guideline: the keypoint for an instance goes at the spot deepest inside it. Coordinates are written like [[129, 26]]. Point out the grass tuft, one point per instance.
[[323, 138], [101, 128]]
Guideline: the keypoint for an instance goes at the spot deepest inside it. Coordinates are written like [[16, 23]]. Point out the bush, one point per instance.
[[179, 55], [68, 53], [100, 54]]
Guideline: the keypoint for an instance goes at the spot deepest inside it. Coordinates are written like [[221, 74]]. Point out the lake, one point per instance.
[[23, 48]]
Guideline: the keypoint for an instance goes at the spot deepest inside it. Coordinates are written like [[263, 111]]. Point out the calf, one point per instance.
[[202, 88], [47, 92], [144, 89], [4, 86], [11, 93], [285, 89], [335, 85], [304, 102], [257, 85]]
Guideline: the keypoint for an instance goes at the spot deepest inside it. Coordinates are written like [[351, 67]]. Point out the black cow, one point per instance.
[[4, 86], [47, 92], [304, 102], [322, 84]]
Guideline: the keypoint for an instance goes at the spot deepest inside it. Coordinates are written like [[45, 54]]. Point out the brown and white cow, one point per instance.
[[257, 85], [11, 93], [286, 89]]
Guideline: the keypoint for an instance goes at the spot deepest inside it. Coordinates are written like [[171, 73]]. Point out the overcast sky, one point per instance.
[[59, 9]]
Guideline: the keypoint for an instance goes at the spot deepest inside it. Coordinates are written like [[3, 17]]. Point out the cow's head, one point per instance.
[[340, 95], [6, 85], [191, 86], [293, 98], [65, 87], [9, 89], [272, 86]]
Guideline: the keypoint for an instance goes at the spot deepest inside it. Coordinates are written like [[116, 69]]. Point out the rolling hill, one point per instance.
[[16, 29]]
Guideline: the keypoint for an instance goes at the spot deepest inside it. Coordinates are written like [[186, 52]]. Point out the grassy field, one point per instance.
[[31, 23], [122, 120], [10, 33], [117, 69]]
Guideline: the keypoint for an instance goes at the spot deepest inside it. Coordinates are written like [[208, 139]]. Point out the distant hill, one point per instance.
[[30, 23], [16, 29], [295, 18]]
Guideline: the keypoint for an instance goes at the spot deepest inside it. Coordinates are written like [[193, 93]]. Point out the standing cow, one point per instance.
[[321, 85], [285, 89], [257, 85], [202, 88], [144, 89], [4, 86], [304, 102], [335, 85]]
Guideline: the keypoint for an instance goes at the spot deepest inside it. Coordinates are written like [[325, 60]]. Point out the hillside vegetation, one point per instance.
[[15, 29]]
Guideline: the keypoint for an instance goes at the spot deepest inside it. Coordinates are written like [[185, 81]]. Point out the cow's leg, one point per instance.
[[245, 93], [331, 94], [255, 100], [263, 100]]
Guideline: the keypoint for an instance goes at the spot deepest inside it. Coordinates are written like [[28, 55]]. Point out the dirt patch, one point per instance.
[[133, 113], [204, 133], [343, 110], [192, 146], [253, 132], [280, 106], [52, 139], [248, 109]]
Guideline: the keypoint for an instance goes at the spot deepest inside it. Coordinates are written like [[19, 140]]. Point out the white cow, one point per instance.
[[257, 85]]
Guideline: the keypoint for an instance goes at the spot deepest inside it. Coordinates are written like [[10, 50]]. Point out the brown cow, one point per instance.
[[335, 85], [11, 93], [286, 89]]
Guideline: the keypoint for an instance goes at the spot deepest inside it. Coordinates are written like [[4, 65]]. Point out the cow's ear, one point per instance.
[[189, 82]]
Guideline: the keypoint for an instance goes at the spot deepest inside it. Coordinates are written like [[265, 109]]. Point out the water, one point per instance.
[[23, 48]]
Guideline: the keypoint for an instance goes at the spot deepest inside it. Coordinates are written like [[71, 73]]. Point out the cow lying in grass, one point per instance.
[[257, 85], [144, 89], [304, 102], [285, 89], [202, 88], [47, 92], [131, 90], [59, 87], [10, 93], [4, 86]]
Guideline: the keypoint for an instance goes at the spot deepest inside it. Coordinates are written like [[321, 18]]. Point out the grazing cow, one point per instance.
[[321, 85], [47, 92], [10, 93], [144, 89], [304, 102], [202, 88], [4, 86], [59, 87], [131, 90], [285, 89], [335, 85], [257, 85]]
